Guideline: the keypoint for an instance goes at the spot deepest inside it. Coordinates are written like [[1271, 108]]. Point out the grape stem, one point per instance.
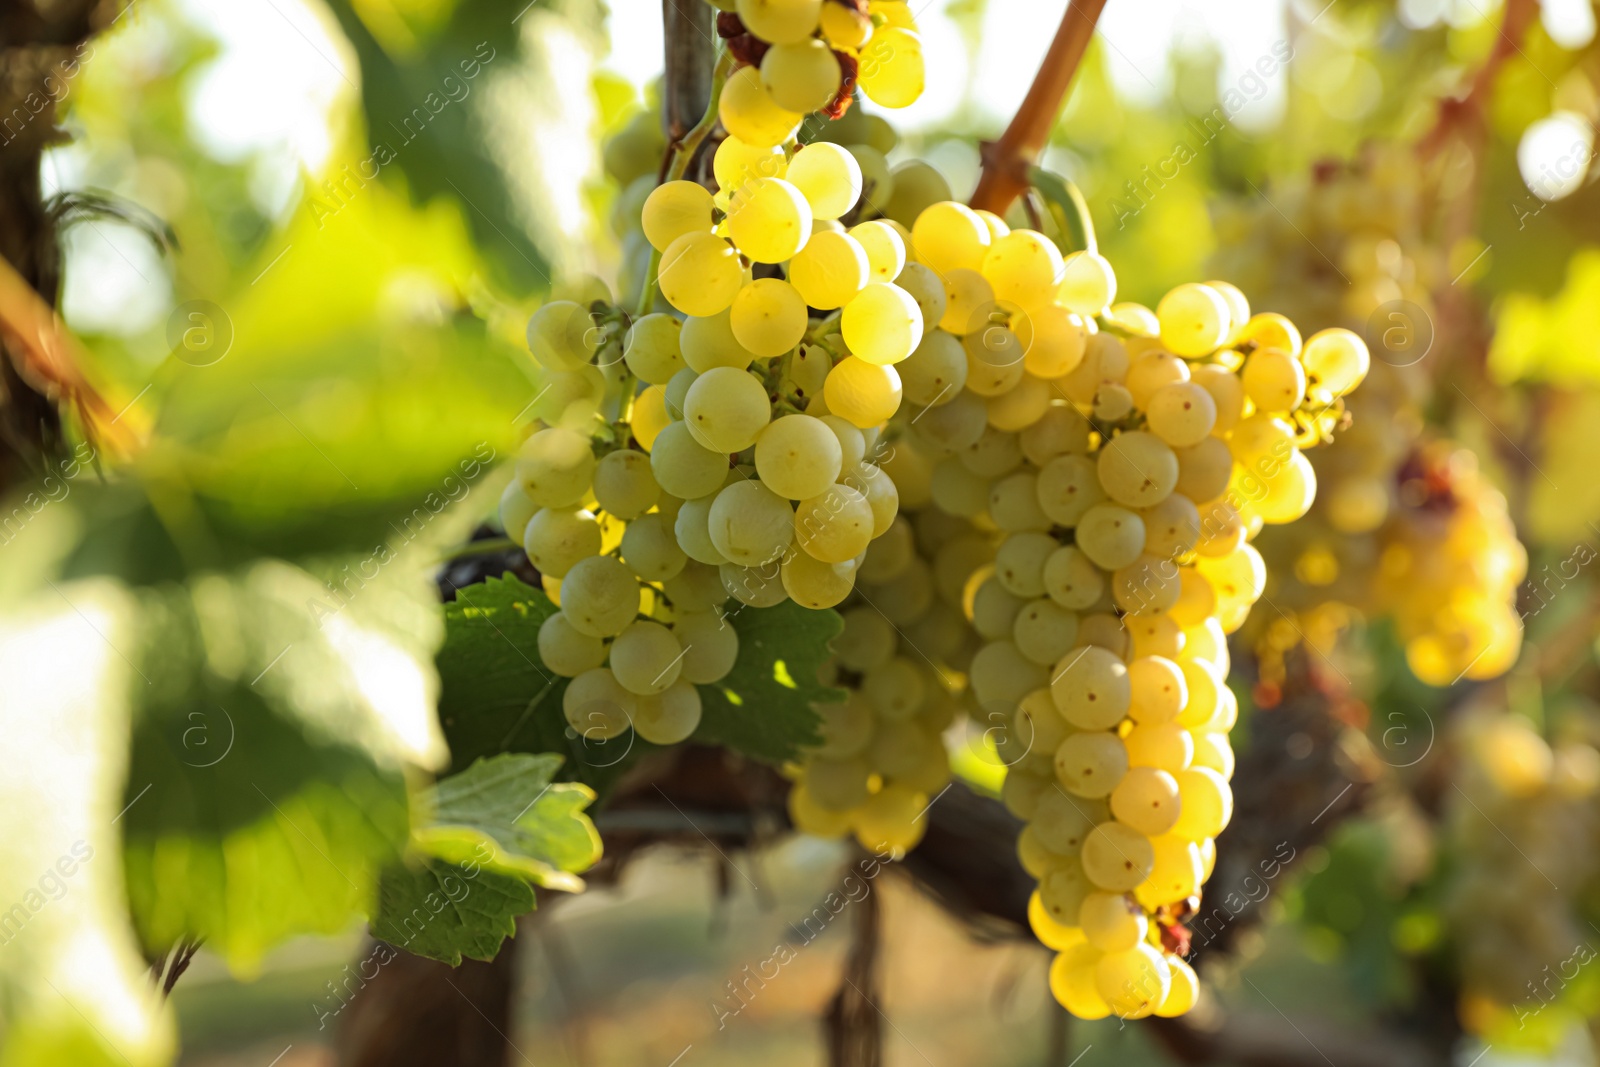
[[1006, 161]]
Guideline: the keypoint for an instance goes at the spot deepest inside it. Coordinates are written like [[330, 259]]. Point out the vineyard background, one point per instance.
[[299, 243]]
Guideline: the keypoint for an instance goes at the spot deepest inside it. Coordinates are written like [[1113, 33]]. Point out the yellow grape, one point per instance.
[[1024, 266], [708, 341], [802, 76], [886, 251], [830, 270], [835, 525], [828, 175], [845, 27], [737, 162], [882, 324], [1184, 992], [1133, 983], [674, 209], [1273, 380], [769, 220], [892, 71], [780, 21], [749, 113], [1111, 922], [1336, 360], [1091, 763], [768, 317], [700, 274], [1194, 319], [1165, 745], [1053, 339], [1072, 982], [1117, 857], [1088, 284], [863, 394], [950, 236], [650, 415], [1147, 800], [1206, 803], [1177, 872]]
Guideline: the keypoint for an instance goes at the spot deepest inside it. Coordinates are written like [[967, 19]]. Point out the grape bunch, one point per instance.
[[1521, 826], [1350, 248]]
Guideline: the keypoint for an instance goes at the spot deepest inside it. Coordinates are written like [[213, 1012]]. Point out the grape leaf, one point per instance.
[[266, 789], [763, 707], [497, 696], [509, 808], [445, 910], [72, 981]]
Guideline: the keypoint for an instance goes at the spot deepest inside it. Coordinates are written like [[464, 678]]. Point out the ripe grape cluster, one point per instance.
[[1520, 827], [1397, 501]]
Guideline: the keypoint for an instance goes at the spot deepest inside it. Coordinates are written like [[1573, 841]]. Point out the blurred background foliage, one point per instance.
[[369, 196]]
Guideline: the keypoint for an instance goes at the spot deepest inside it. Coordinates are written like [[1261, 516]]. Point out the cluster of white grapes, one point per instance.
[[906, 640], [801, 56], [1521, 829]]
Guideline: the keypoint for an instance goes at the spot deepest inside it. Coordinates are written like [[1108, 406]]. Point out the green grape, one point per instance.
[[710, 643], [1112, 402], [1146, 799], [1019, 563], [768, 317], [1206, 804], [957, 491], [1105, 360], [1024, 267], [726, 410], [798, 456], [555, 467], [950, 236], [1137, 469], [683, 467], [916, 186], [1204, 469], [835, 525], [805, 372], [830, 270], [889, 555], [749, 113], [1063, 890], [936, 369], [1072, 580], [993, 454], [1091, 763], [1044, 632], [1072, 982], [675, 391], [845, 728], [954, 426], [1091, 688], [885, 248], [1111, 536], [1149, 585], [668, 717], [1061, 824], [750, 524], [811, 583], [892, 68], [599, 596], [969, 298], [597, 707], [1182, 414], [635, 151], [871, 482], [558, 335], [995, 609], [868, 639], [802, 76], [1172, 527], [1134, 982], [646, 658], [698, 587], [515, 510], [863, 394], [570, 401], [557, 538], [877, 183], [994, 360], [828, 175], [652, 352], [1117, 857], [837, 784], [769, 219], [898, 749], [736, 162], [692, 528], [1053, 339], [852, 442], [1068, 487], [700, 274], [780, 21], [623, 484], [1112, 922], [895, 689], [674, 209], [650, 549], [1039, 725], [1001, 675], [1335, 360], [566, 651], [1227, 393], [1014, 503], [1195, 320], [710, 342], [759, 587], [1088, 284]]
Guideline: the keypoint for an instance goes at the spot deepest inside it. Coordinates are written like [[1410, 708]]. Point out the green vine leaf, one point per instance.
[[509, 808], [763, 707], [445, 911]]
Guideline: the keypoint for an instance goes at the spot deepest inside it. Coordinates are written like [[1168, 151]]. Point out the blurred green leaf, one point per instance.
[[444, 911]]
